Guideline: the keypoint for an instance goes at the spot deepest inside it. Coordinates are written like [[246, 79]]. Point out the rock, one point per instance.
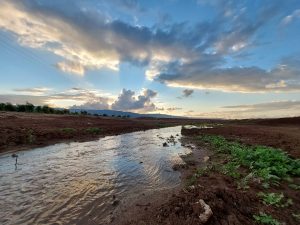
[[165, 144], [205, 159], [204, 217]]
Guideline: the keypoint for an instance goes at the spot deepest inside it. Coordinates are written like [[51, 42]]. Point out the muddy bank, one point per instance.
[[19, 131], [283, 136]]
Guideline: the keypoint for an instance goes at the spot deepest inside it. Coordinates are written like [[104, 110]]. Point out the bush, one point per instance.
[[270, 164], [68, 130], [94, 130]]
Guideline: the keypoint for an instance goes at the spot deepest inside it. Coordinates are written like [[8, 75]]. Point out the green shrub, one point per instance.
[[269, 164], [263, 218], [68, 130], [94, 130]]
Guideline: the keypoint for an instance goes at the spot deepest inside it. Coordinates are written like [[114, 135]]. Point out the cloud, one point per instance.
[[81, 98], [96, 103], [33, 91], [128, 101], [171, 109], [187, 92], [283, 77], [71, 67], [290, 18], [286, 108], [178, 54]]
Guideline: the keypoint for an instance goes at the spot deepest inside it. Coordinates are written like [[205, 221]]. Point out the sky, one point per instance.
[[197, 58]]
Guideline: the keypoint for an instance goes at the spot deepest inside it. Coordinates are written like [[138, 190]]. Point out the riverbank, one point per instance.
[[21, 131], [240, 182]]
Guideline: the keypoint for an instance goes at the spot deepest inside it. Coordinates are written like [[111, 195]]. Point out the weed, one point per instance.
[[68, 130], [271, 198], [275, 199], [192, 180], [263, 218], [231, 169], [94, 130], [30, 137], [269, 164], [243, 183], [296, 216], [294, 186]]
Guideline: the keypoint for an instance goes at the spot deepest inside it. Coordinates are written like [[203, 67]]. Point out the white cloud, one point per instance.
[[71, 67], [128, 101], [260, 110], [290, 18]]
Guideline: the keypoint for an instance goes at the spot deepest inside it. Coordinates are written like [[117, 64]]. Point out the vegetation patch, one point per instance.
[[68, 130], [94, 130], [275, 199], [270, 165], [263, 218]]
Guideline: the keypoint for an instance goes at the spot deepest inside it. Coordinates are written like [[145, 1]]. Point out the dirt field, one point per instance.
[[20, 131], [230, 204]]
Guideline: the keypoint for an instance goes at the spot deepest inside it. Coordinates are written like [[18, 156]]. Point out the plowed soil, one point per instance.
[[20, 131]]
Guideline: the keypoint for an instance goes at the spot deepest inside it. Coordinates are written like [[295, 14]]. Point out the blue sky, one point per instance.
[[200, 58]]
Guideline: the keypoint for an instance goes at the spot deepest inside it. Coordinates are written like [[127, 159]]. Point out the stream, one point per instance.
[[82, 182]]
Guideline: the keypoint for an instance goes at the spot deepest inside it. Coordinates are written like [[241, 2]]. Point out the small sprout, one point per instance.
[[263, 218]]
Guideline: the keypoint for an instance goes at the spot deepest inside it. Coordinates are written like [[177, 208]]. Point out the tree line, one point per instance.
[[28, 107]]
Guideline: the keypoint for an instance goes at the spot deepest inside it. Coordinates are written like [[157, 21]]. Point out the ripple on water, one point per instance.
[[61, 183]]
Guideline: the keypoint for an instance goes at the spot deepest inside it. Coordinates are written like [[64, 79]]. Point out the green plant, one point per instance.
[[294, 186], [243, 183], [94, 130], [192, 180], [263, 218], [231, 169], [296, 216], [275, 199], [68, 130], [30, 137], [269, 164], [271, 198]]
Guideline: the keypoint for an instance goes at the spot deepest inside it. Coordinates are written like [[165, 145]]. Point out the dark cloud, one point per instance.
[[284, 77], [178, 54], [187, 92]]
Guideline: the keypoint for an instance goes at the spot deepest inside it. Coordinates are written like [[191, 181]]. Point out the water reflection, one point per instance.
[[61, 183]]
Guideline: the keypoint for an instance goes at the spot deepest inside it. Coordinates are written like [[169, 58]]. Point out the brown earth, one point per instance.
[[277, 133], [19, 131], [230, 204]]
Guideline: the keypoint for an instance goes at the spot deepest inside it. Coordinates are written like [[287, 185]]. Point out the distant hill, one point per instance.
[[121, 113]]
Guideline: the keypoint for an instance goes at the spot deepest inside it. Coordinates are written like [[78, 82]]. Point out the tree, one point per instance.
[[21, 108], [29, 107], [45, 109], [38, 109], [9, 107], [2, 106]]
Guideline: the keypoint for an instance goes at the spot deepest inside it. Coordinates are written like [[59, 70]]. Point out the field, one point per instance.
[[246, 171], [27, 130]]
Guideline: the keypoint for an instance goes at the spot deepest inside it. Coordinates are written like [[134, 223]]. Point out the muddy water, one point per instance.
[[82, 183]]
